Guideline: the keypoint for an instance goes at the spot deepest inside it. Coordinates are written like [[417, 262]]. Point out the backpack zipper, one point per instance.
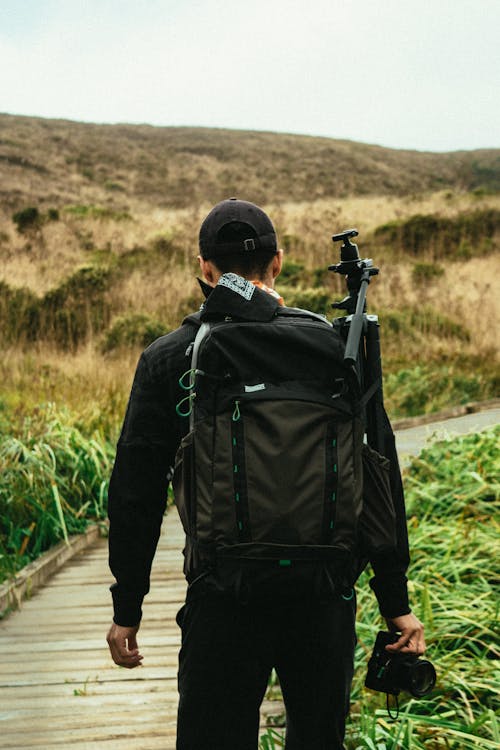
[[239, 475]]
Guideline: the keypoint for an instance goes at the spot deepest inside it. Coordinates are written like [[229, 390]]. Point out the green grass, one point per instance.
[[53, 483], [452, 493], [426, 388]]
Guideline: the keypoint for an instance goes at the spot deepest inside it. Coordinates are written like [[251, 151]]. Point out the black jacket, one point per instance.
[[146, 450]]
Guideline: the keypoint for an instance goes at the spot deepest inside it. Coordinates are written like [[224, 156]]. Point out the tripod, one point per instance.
[[361, 332]]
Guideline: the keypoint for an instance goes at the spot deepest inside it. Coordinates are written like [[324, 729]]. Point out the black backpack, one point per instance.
[[271, 468]]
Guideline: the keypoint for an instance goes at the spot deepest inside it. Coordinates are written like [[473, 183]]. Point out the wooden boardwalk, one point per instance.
[[58, 685], [59, 688]]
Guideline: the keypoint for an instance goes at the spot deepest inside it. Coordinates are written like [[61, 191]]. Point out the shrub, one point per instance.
[[75, 309], [53, 214], [316, 300], [465, 235], [66, 315], [27, 218], [291, 272], [19, 314], [424, 272], [136, 329]]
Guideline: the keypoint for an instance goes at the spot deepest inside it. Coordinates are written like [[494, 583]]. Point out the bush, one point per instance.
[[316, 300], [77, 308], [53, 214], [136, 329], [291, 272], [424, 272], [19, 314], [26, 219], [66, 315], [465, 235]]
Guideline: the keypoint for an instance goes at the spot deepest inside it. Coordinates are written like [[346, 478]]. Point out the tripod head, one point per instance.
[[353, 268], [349, 255]]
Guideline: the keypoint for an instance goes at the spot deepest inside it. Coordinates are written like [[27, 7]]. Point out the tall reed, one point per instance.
[[53, 482]]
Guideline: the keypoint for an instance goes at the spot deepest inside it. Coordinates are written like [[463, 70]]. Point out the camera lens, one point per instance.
[[422, 678]]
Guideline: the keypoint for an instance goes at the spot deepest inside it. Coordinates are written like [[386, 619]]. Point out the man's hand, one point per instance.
[[123, 646], [411, 640]]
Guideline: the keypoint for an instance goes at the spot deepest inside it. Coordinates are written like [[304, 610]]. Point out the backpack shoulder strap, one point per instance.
[[202, 333], [298, 312]]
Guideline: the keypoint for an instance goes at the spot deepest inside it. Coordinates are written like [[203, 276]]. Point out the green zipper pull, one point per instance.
[[189, 400], [236, 412]]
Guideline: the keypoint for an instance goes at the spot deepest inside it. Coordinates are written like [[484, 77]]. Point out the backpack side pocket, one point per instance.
[[183, 483], [377, 523]]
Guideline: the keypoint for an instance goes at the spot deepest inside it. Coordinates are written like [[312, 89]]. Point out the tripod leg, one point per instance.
[[375, 419]]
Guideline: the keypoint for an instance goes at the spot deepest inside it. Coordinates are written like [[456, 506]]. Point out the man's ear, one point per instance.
[[277, 263], [209, 271]]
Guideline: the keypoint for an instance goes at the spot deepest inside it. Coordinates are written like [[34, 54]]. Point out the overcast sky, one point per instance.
[[419, 74]]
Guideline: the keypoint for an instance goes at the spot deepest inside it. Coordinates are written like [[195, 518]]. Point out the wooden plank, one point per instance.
[[59, 687], [55, 647], [37, 573]]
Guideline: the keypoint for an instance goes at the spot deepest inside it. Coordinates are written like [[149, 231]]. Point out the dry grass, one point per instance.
[[165, 295], [41, 259], [465, 292], [87, 383], [168, 290]]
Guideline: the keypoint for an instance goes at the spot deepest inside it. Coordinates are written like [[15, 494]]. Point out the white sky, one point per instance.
[[420, 74]]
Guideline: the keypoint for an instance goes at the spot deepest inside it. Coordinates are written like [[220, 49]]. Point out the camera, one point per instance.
[[393, 672]]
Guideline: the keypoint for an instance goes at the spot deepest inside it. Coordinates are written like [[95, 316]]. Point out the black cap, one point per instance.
[[261, 232]]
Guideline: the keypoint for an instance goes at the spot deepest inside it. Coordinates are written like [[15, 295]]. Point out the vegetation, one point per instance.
[[132, 330], [66, 315], [454, 574], [53, 482], [459, 237], [27, 218], [423, 389], [111, 165]]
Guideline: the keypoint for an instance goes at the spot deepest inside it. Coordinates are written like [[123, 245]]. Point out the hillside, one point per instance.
[[98, 245], [56, 162]]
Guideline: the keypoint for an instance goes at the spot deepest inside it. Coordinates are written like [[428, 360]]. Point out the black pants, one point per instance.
[[228, 651]]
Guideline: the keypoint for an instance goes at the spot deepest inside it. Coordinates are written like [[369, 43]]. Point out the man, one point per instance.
[[236, 624]]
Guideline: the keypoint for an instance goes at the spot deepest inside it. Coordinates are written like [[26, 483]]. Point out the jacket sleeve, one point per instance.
[[390, 582], [138, 492]]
